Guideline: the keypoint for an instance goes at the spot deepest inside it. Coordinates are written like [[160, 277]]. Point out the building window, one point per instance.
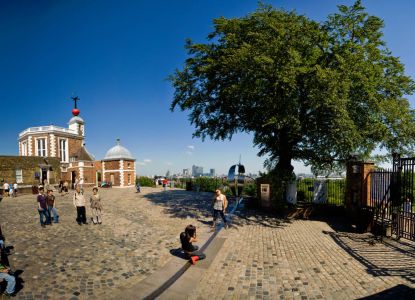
[[24, 148], [129, 179], [128, 165], [41, 147], [19, 176], [63, 150]]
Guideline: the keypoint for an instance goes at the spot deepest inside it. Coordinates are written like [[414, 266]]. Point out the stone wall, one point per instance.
[[30, 165]]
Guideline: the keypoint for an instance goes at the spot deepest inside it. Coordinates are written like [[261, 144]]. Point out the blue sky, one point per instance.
[[116, 55]]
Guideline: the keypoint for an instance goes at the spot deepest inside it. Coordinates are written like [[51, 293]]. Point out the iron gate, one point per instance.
[[392, 196]]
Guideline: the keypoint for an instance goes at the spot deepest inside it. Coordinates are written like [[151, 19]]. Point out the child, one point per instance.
[[52, 208], [42, 207], [187, 238], [96, 206]]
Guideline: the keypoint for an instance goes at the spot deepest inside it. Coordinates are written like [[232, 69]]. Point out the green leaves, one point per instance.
[[308, 91]]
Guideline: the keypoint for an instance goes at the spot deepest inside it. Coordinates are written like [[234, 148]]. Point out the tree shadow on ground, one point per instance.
[[399, 291], [184, 204], [386, 258], [250, 216]]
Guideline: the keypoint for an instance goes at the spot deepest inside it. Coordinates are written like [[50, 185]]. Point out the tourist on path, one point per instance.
[[15, 189], [42, 207], [165, 184], [138, 187], [52, 208], [96, 206], [11, 194], [220, 203], [187, 238], [79, 203], [11, 281], [65, 186], [6, 189], [81, 184]]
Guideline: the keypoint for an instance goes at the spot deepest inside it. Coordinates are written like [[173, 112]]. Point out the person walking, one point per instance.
[[15, 189], [220, 203], [165, 184], [96, 206], [6, 187], [81, 184], [79, 203], [51, 201], [42, 207], [11, 194]]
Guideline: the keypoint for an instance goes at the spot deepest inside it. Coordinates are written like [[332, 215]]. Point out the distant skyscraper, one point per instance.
[[212, 173], [186, 172], [197, 171]]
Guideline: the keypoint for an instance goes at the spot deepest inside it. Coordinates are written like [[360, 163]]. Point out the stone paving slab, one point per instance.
[[68, 261], [269, 258]]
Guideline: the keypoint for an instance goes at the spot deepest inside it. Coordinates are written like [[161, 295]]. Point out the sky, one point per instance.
[[116, 56]]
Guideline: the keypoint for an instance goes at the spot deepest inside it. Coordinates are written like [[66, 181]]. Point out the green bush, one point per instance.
[[250, 189], [145, 181]]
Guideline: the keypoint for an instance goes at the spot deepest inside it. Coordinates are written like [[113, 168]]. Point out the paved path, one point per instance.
[[268, 258], [260, 257], [68, 261]]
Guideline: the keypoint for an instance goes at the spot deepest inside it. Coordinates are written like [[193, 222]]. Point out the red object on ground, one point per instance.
[[75, 111], [194, 259]]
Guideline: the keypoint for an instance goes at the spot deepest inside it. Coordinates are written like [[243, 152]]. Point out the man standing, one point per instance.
[[79, 203]]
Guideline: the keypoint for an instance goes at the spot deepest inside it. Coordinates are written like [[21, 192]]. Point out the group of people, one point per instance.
[[10, 190], [189, 236], [47, 206]]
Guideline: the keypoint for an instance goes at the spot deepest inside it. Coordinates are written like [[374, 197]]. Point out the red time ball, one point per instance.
[[75, 111]]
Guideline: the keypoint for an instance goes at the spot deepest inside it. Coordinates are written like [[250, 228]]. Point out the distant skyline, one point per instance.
[[116, 56]]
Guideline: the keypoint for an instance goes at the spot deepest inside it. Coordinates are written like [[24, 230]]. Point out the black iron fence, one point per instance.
[[321, 191]]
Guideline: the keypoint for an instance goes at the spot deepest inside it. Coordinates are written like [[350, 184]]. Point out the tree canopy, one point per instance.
[[307, 90]]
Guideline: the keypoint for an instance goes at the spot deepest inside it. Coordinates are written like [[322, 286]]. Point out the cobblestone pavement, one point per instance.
[[68, 261], [268, 258]]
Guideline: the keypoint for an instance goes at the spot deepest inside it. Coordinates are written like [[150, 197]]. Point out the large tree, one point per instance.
[[308, 91]]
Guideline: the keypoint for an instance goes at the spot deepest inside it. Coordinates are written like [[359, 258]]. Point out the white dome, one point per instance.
[[76, 119], [118, 152]]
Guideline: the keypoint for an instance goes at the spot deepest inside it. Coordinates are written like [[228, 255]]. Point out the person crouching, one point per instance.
[[187, 238]]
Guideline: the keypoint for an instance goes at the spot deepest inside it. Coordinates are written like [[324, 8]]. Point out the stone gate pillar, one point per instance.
[[358, 183], [358, 193]]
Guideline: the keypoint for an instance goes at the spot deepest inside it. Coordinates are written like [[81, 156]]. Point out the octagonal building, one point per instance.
[[118, 166]]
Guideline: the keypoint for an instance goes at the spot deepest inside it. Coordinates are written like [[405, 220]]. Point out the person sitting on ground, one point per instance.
[[6, 274], [187, 238]]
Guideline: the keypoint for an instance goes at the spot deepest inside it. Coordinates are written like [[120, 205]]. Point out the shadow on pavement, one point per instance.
[[399, 291], [183, 204], [389, 258]]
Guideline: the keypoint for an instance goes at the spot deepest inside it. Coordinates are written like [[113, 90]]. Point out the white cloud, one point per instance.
[[189, 152], [140, 163], [147, 160], [191, 147]]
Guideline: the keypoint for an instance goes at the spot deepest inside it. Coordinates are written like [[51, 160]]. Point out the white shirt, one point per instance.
[[15, 186], [6, 186], [219, 202]]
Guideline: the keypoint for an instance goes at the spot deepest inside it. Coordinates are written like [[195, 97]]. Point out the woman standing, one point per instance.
[[79, 203], [220, 203], [96, 206]]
